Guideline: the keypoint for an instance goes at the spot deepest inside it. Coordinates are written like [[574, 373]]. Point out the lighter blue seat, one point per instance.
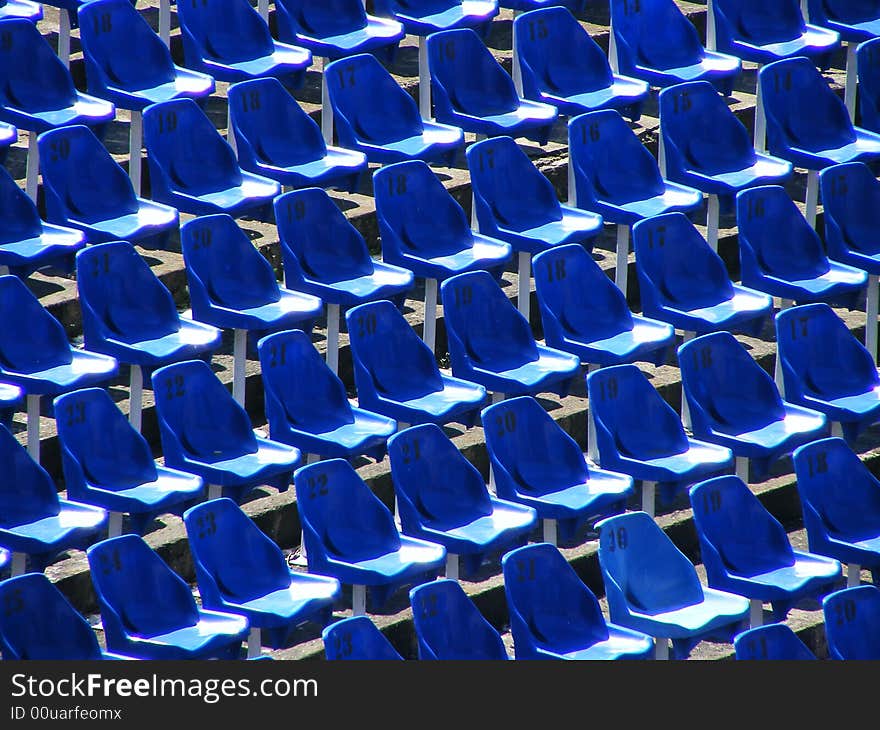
[[449, 627], [21, 9], [772, 642], [357, 638], [554, 614], [148, 611], [652, 587], [746, 550], [423, 17], [441, 497], [852, 618]]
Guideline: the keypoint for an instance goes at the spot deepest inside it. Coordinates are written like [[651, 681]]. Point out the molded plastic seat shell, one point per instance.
[[851, 211], [851, 620], [771, 642], [423, 17], [357, 638]]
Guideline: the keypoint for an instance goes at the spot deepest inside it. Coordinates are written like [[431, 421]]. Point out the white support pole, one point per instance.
[[756, 613], [64, 36], [713, 214], [135, 143], [524, 290], [451, 566], [837, 429], [165, 21], [572, 192], [424, 80], [612, 51], [4, 270], [805, 10], [230, 135], [33, 426], [263, 8], [19, 564], [685, 406], [711, 43], [114, 524], [661, 648], [812, 196], [136, 396], [32, 178], [215, 491], [853, 575], [516, 68], [239, 363], [661, 151], [254, 643], [326, 107], [333, 337], [592, 445], [358, 600], [760, 138], [742, 468], [550, 531], [872, 310], [497, 397], [622, 268], [777, 370], [648, 490], [475, 224], [429, 329], [852, 77]]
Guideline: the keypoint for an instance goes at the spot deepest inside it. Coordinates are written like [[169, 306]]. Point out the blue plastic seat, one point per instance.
[[536, 463], [575, 6], [442, 498], [86, 189], [851, 208], [746, 550], [357, 638], [655, 42], [205, 432], [28, 243], [561, 64], [771, 642], [21, 9], [307, 406], [868, 71], [449, 627], [491, 343], [638, 433], [229, 40], [377, 117], [583, 313], [39, 623], [108, 464], [471, 90], [275, 138], [240, 570], [734, 402], [840, 503], [852, 617], [350, 535], [423, 17], [780, 253], [194, 169], [555, 615], [855, 20], [684, 282], [149, 612], [651, 586]]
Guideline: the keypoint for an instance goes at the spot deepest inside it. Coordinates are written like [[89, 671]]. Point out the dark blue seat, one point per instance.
[[561, 64], [583, 313], [350, 535], [423, 17], [855, 20], [377, 117], [240, 570], [194, 169], [851, 619], [449, 627], [204, 431], [851, 207], [682, 281], [441, 497], [651, 586], [149, 612], [357, 638], [21, 9], [638, 433], [86, 189], [229, 40], [746, 550], [397, 375], [868, 72], [491, 343], [840, 503], [655, 42], [554, 614], [275, 138], [39, 623], [307, 406], [771, 642]]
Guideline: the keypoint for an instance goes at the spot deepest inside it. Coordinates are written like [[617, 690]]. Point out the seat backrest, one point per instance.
[[449, 626], [759, 23], [771, 642], [653, 33], [851, 620], [27, 493], [228, 31], [851, 209], [357, 638], [849, 12], [38, 622], [325, 19], [611, 165], [19, 214], [868, 70]]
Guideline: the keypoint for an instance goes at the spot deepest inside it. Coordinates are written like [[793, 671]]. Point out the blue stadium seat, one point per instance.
[[491, 343], [36, 355], [377, 117], [194, 169], [86, 189], [852, 616], [108, 464], [772, 642], [67, 19], [307, 406], [229, 40], [651, 586], [684, 282], [536, 463], [240, 570], [205, 432], [638, 433], [734, 402], [423, 17], [868, 65], [840, 503], [232, 285], [350, 535], [275, 138], [555, 615], [149, 612], [397, 375], [357, 638], [746, 550], [561, 64], [780, 253], [21, 9], [39, 623], [449, 626], [575, 6], [442, 498], [652, 40], [28, 243]]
